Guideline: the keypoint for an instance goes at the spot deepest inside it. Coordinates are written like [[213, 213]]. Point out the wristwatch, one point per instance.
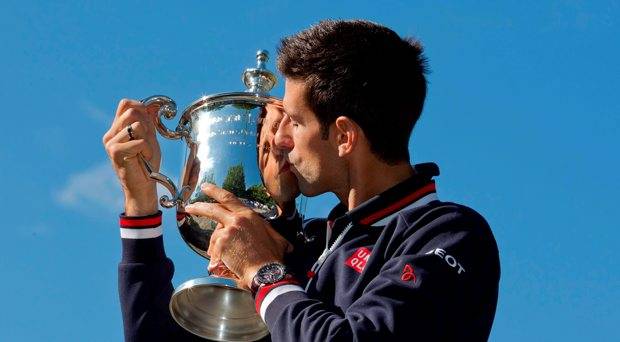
[[269, 274]]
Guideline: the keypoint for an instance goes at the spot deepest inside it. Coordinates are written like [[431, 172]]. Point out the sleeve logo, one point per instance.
[[358, 260], [449, 259]]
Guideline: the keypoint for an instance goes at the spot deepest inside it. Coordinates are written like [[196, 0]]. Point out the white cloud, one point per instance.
[[97, 114], [94, 190]]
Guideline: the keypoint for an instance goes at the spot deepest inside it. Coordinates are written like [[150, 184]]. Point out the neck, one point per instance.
[[370, 178]]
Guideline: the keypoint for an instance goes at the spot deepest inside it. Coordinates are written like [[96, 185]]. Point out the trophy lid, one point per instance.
[[259, 80]]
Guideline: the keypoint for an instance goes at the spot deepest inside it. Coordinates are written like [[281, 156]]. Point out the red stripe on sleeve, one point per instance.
[[150, 221], [264, 290]]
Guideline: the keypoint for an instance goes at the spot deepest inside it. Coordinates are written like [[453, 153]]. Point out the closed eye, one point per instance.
[[274, 126], [266, 148]]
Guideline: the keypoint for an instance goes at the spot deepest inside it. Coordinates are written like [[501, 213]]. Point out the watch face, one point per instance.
[[271, 273]]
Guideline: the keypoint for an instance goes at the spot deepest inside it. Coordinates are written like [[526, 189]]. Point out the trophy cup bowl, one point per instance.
[[220, 132]]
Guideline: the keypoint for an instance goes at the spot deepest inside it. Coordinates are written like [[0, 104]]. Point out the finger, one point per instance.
[[288, 247], [214, 264], [226, 198], [227, 273], [224, 272], [209, 253], [129, 116], [213, 211], [219, 269], [138, 132], [153, 109], [121, 152], [125, 104], [122, 137], [216, 245]]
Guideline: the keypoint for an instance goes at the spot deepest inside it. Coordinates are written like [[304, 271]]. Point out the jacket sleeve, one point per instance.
[[418, 287], [144, 283]]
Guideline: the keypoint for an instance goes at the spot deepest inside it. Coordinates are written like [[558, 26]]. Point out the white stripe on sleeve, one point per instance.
[[141, 233], [274, 293]]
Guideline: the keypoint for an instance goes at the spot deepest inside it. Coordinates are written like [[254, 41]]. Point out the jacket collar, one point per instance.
[[415, 191]]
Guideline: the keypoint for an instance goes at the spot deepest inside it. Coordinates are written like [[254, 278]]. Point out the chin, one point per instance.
[[309, 191], [284, 191], [289, 190]]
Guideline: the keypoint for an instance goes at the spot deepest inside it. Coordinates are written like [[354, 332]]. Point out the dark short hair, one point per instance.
[[364, 71]]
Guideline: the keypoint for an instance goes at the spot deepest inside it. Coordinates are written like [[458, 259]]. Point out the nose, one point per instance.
[[283, 140], [276, 151]]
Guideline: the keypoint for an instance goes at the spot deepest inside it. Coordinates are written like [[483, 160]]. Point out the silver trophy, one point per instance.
[[220, 132]]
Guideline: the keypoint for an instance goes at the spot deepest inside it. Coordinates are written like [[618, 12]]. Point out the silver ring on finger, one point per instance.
[[130, 132]]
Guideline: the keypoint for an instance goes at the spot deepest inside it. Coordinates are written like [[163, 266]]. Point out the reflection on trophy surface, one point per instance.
[[277, 179], [280, 182], [222, 151], [229, 140]]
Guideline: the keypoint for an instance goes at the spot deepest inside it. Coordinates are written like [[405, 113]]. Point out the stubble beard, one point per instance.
[[308, 180]]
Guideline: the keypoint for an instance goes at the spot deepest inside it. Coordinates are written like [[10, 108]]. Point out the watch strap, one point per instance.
[[258, 282]]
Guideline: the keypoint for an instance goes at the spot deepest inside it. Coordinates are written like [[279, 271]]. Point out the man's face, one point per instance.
[[313, 159], [280, 182]]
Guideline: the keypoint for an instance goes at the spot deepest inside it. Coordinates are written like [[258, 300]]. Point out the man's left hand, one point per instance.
[[243, 241]]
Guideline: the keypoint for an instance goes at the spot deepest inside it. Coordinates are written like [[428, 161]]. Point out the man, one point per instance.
[[398, 263], [145, 272]]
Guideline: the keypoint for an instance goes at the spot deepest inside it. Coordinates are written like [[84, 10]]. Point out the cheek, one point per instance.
[[300, 142], [269, 173], [298, 137]]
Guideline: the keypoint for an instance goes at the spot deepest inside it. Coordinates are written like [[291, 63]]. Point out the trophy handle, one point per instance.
[[167, 108]]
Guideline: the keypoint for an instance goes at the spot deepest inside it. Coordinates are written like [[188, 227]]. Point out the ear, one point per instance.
[[347, 135]]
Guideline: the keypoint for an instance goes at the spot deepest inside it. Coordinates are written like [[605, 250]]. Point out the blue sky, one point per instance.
[[520, 116]]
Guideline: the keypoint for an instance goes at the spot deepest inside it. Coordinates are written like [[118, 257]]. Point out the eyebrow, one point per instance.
[[292, 116], [287, 111], [274, 126]]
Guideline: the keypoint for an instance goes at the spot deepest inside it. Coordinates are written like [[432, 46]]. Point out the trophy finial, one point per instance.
[[259, 80], [262, 56]]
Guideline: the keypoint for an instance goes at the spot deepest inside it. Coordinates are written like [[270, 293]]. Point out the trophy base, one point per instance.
[[214, 308]]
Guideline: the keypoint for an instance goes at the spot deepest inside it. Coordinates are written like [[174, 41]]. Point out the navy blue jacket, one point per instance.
[[402, 266]]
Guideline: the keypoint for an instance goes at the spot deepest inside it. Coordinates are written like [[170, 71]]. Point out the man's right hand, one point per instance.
[[140, 191]]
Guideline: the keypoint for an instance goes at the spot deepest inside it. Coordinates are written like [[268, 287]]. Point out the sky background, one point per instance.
[[521, 117]]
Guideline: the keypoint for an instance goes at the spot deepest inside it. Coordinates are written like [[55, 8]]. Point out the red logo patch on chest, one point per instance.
[[358, 260], [408, 274]]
